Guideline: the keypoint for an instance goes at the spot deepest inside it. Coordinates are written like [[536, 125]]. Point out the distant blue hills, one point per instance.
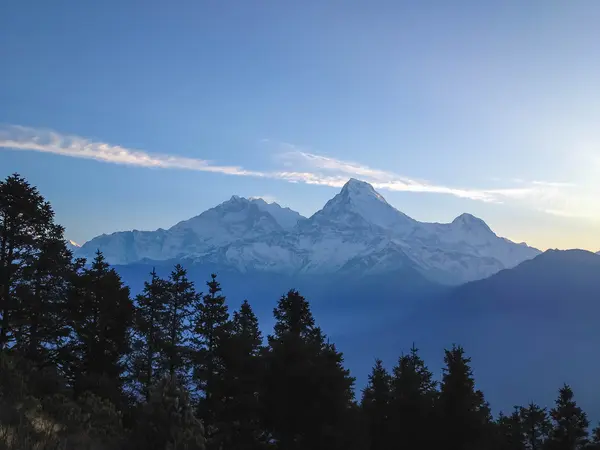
[[528, 329]]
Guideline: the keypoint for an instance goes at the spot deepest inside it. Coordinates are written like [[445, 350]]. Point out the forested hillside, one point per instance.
[[83, 365]]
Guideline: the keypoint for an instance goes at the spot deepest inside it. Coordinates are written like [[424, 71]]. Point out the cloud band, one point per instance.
[[310, 168]]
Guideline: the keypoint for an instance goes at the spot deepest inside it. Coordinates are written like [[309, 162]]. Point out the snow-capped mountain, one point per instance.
[[285, 217], [73, 246], [234, 220], [358, 205], [357, 231]]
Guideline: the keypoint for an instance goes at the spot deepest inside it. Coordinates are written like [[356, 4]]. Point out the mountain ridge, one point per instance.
[[528, 319], [355, 229], [519, 319]]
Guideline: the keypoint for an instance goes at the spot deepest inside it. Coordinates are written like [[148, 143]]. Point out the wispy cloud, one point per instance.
[[558, 198], [380, 179], [18, 137], [48, 141], [557, 184]]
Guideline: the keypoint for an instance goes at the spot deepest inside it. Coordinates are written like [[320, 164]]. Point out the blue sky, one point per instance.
[[130, 114]]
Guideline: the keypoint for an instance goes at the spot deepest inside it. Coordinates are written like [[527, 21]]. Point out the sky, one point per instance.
[[136, 115]]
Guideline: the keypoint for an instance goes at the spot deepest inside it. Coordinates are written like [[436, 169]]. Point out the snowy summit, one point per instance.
[[357, 231]]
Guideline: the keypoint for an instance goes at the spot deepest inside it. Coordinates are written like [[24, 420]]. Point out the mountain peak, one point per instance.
[[261, 201], [285, 216], [357, 182], [470, 222], [237, 198], [354, 185], [72, 245], [359, 205], [356, 228], [360, 189]]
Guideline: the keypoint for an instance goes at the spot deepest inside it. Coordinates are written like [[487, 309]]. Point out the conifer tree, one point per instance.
[[243, 377], [355, 429], [536, 426], [41, 296], [167, 420], [212, 329], [307, 391], [414, 392], [570, 428], [102, 314], [181, 300], [32, 255], [246, 334], [464, 414], [375, 405], [510, 432], [150, 331], [594, 442]]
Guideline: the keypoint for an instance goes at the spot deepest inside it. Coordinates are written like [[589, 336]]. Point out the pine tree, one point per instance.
[[246, 334], [102, 313], [181, 300], [150, 331], [307, 392], [41, 296], [570, 423], [375, 405], [30, 244], [355, 429], [594, 443], [510, 432], [536, 426], [464, 414], [243, 376], [414, 392], [212, 330], [167, 421]]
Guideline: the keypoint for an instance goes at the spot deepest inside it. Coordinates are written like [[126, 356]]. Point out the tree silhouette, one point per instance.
[[32, 251], [413, 399], [569, 431], [376, 400], [510, 434], [102, 314], [167, 420], [307, 392], [241, 419], [181, 300], [212, 330], [150, 333], [463, 411], [536, 426]]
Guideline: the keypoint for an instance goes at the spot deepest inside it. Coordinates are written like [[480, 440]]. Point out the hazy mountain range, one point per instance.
[[357, 232], [379, 280], [528, 330]]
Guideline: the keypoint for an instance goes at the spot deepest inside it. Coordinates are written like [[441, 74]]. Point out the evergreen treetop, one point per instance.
[[375, 404], [182, 299], [151, 323], [570, 429], [30, 242], [536, 425], [465, 415]]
